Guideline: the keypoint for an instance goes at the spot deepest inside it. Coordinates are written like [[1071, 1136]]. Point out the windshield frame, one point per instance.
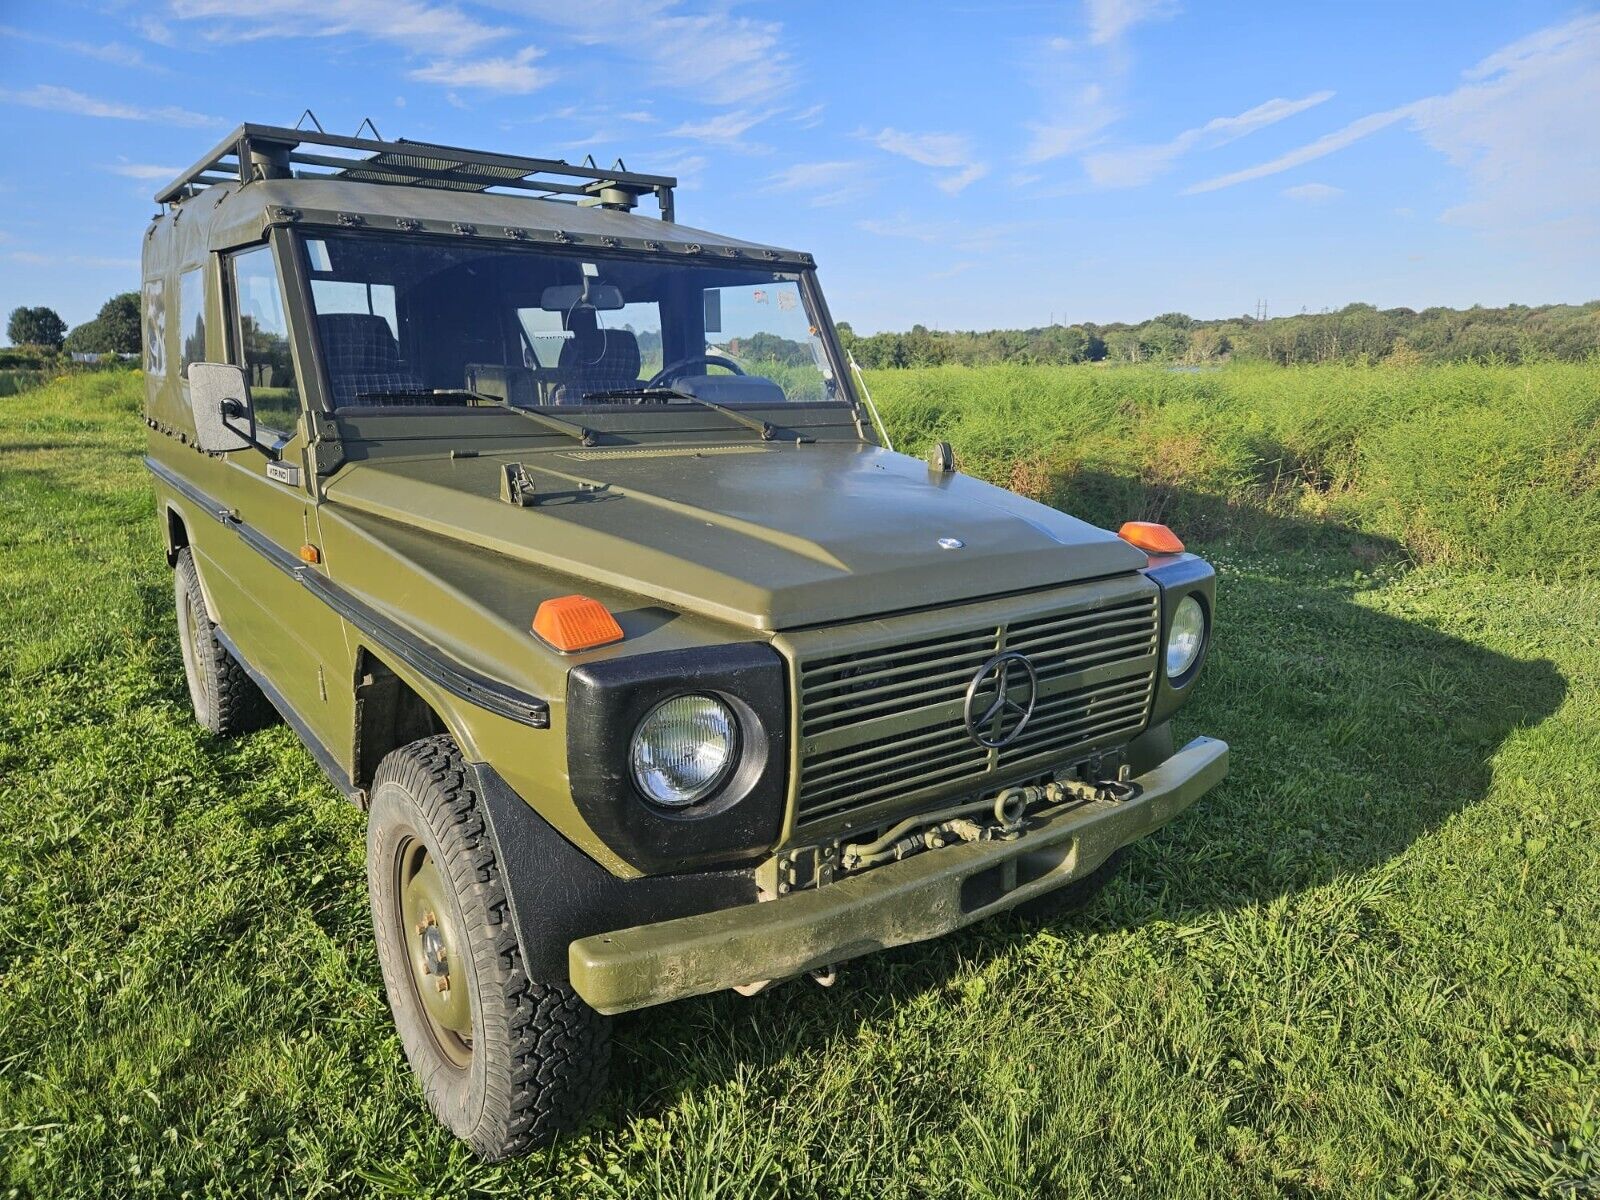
[[297, 267]]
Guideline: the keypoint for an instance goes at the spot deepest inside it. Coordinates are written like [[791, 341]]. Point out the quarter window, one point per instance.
[[192, 318], [263, 340], [155, 328]]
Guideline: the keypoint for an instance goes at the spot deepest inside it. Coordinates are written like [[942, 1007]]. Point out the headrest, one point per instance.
[[361, 335]]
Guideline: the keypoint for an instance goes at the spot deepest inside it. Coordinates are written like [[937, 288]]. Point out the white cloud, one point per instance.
[[153, 30], [828, 183], [59, 99], [958, 237], [146, 171], [940, 150], [109, 52], [1522, 128], [514, 76], [1313, 193], [724, 129], [1310, 152], [423, 28], [1110, 19], [809, 176], [1133, 166], [717, 57], [1080, 86], [958, 182]]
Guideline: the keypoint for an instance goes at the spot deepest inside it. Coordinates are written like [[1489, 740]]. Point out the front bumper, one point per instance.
[[921, 897]]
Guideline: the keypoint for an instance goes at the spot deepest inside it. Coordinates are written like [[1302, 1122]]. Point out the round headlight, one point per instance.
[[1187, 635], [683, 749]]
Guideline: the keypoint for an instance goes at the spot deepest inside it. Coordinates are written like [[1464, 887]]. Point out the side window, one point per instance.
[[192, 318], [263, 340], [154, 304]]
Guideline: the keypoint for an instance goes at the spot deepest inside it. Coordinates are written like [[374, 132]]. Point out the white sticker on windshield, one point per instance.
[[591, 270]]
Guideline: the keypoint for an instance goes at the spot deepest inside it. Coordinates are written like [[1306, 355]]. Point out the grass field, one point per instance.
[[1369, 964]]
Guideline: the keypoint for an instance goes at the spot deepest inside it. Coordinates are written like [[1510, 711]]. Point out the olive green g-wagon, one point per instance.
[[565, 539]]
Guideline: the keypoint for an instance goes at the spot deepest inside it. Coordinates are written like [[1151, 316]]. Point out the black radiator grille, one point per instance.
[[887, 721]]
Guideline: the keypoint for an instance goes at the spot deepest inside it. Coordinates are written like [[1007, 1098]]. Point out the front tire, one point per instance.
[[226, 700], [505, 1062], [1074, 897]]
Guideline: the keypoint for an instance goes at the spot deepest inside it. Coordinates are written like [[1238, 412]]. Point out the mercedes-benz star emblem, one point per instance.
[[951, 543], [1000, 699]]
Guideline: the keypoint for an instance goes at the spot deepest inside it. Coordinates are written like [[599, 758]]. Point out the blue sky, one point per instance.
[[962, 165]]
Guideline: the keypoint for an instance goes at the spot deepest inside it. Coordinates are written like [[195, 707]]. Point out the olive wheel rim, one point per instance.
[[433, 950]]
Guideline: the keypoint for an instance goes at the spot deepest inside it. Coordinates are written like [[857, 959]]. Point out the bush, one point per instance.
[[1475, 464]]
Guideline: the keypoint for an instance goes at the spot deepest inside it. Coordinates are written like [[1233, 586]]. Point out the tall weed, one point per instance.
[[1474, 464]]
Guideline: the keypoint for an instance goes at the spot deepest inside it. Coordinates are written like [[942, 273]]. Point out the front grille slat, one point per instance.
[[883, 722]]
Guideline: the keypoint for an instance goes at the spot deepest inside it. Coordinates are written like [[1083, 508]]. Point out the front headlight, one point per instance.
[[683, 749], [1185, 637]]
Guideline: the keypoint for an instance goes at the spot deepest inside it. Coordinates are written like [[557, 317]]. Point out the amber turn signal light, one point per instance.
[[1151, 537], [575, 623], [310, 554]]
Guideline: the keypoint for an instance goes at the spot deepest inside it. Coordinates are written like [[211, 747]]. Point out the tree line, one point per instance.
[[114, 330], [1357, 332]]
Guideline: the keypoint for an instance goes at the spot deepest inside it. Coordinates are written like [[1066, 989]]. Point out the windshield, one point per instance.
[[408, 321]]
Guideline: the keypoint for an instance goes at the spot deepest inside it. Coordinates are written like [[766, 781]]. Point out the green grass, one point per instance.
[[1367, 965]]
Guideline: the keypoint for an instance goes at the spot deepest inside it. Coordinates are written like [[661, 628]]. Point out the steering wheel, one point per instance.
[[672, 370]]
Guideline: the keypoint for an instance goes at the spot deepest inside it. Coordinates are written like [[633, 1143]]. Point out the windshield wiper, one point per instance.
[[766, 429], [572, 429]]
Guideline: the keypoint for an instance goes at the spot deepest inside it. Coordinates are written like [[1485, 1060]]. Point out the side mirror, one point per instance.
[[220, 399]]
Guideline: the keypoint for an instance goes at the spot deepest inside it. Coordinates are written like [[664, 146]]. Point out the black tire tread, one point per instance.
[[547, 1050]]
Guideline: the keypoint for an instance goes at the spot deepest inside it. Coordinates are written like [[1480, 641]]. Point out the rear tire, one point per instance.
[[226, 700], [505, 1062], [1075, 896]]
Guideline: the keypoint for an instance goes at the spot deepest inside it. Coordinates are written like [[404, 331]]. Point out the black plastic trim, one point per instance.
[[427, 660], [559, 894], [742, 820], [1179, 576]]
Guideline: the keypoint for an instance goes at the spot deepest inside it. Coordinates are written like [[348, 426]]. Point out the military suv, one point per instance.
[[568, 543]]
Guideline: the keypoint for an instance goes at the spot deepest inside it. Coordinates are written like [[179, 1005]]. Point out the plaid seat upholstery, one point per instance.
[[362, 357], [595, 359]]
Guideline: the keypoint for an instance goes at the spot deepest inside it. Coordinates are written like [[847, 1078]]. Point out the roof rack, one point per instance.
[[273, 152]]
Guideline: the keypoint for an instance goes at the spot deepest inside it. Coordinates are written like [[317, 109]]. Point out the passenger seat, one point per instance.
[[363, 358]]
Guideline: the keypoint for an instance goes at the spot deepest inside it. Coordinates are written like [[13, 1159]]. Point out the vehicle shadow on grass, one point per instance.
[[1353, 732]]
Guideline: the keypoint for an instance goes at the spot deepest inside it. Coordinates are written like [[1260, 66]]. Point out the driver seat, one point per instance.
[[595, 359]]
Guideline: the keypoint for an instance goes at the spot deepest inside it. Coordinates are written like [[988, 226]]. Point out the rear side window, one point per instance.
[[263, 340], [154, 303], [192, 319]]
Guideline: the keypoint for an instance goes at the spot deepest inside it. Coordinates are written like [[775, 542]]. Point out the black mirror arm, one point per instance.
[[235, 410]]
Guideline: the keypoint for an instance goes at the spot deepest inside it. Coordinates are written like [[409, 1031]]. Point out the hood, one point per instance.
[[769, 536]]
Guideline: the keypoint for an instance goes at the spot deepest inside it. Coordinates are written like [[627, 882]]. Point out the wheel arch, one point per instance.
[[393, 708], [176, 529]]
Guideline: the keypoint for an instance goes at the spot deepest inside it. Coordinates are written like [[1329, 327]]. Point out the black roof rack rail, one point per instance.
[[272, 152]]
